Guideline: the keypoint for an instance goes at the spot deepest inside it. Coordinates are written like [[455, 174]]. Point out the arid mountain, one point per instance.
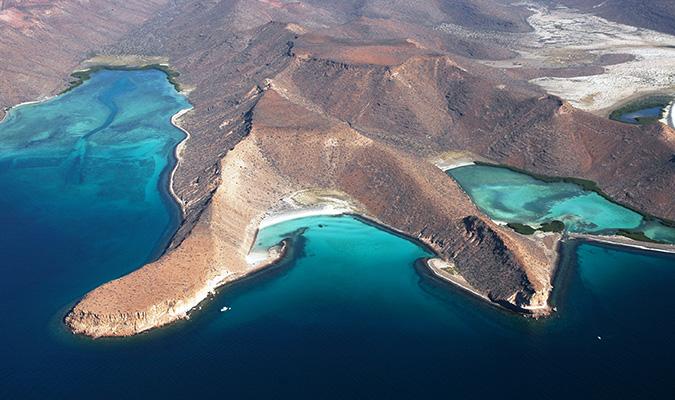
[[352, 98]]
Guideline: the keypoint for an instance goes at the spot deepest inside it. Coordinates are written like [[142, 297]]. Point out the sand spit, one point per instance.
[[446, 270], [623, 241]]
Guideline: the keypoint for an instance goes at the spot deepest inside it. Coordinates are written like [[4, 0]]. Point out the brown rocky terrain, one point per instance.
[[430, 104], [290, 148], [350, 96]]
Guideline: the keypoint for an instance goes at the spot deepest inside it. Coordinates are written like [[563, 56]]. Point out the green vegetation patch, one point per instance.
[[524, 229], [553, 226], [521, 228], [637, 235]]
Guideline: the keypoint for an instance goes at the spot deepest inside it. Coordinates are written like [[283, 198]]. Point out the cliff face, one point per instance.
[[289, 149]]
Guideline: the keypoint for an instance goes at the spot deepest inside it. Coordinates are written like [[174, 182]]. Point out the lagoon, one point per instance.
[[514, 197]]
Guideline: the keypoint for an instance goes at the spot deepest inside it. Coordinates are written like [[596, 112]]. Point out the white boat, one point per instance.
[[226, 308]]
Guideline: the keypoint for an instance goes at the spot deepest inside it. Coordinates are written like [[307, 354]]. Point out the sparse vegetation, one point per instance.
[[637, 235], [552, 226]]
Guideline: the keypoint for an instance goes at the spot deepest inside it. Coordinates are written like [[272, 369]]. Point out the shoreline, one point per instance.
[[605, 112], [528, 311], [535, 312], [585, 184], [82, 75], [438, 271], [177, 155], [279, 217], [622, 241], [185, 307], [25, 103], [668, 116]]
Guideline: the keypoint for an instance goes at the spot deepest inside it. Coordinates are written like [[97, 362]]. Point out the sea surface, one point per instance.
[[510, 196], [349, 314]]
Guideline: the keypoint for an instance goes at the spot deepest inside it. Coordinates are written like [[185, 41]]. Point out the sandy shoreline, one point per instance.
[[625, 242], [668, 117], [288, 215], [437, 266], [177, 153], [25, 103], [447, 166]]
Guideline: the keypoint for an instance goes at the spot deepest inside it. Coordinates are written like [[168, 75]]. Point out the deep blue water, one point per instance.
[[348, 315]]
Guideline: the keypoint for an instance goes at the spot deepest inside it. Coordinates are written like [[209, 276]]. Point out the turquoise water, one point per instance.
[[510, 196], [349, 313]]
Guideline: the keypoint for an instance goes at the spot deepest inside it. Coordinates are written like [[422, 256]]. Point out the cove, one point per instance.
[[517, 198], [643, 111], [350, 313]]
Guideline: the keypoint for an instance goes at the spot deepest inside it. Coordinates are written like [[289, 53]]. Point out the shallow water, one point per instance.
[[636, 117], [348, 315], [642, 111], [510, 196]]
